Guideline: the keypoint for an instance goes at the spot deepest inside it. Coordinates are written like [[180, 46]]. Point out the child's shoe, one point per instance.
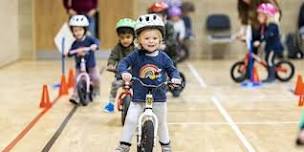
[[271, 75], [166, 147], [109, 107], [74, 100], [122, 148]]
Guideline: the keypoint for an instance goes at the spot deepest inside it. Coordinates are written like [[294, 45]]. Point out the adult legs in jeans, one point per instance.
[[92, 25]]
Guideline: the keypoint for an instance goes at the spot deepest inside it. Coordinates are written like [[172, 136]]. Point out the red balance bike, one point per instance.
[[284, 69]]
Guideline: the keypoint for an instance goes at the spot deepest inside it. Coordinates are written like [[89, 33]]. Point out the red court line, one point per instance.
[[28, 127]]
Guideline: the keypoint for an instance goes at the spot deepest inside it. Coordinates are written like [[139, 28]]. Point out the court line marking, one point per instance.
[[232, 124], [196, 75], [238, 123], [51, 142], [66, 120], [13, 143], [222, 110]]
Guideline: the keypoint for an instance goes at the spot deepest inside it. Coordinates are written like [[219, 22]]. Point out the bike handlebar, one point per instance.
[[152, 86], [86, 49]]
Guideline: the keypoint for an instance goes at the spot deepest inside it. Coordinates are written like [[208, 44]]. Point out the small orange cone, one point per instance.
[[45, 98], [299, 86], [256, 77], [63, 87], [301, 101], [71, 79]]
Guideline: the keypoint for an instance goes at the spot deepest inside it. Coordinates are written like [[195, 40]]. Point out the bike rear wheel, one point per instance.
[[238, 71], [176, 91], [125, 107], [147, 137], [284, 70], [82, 92], [183, 85]]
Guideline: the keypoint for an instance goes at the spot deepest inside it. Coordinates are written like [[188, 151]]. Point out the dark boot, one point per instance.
[[271, 75]]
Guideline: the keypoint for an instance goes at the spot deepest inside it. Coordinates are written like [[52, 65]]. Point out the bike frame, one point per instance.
[[83, 72], [126, 91], [84, 75], [147, 115], [148, 112], [260, 61]]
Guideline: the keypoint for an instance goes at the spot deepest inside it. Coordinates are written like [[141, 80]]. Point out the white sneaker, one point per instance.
[[122, 148], [166, 148], [74, 99]]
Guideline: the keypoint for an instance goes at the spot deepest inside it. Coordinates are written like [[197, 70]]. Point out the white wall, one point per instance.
[[9, 39]]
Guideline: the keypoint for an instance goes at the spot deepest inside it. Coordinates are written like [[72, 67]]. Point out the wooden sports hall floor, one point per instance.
[[213, 114]]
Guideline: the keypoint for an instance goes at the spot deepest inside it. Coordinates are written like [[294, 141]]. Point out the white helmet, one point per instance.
[[79, 20], [149, 21]]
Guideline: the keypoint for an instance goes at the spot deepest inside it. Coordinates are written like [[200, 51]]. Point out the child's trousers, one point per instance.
[[135, 109], [115, 85]]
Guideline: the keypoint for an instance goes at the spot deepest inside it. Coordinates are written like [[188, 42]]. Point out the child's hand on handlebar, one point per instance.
[[93, 47], [66, 53], [81, 51], [111, 68], [126, 76], [256, 43], [175, 82]]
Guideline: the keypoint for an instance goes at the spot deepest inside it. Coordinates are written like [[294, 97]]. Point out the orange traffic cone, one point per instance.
[[45, 99], [301, 101], [63, 87], [256, 77], [299, 86], [71, 79]]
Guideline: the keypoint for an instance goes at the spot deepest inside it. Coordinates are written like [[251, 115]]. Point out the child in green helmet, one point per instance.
[[125, 45]]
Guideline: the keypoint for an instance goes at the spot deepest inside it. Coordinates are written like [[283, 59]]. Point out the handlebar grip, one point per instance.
[[86, 49]]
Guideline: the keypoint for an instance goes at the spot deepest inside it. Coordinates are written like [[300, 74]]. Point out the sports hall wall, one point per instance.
[[30, 25], [9, 48]]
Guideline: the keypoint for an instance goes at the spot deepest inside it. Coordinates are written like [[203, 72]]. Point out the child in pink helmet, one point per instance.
[[270, 34]]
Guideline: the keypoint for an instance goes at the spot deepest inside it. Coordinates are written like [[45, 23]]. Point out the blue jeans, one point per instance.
[[92, 25]]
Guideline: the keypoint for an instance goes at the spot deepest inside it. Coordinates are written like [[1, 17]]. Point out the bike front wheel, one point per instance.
[[177, 91], [284, 70], [82, 92], [238, 71], [147, 137]]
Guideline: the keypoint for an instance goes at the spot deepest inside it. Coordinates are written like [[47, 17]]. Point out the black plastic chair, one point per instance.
[[218, 27]]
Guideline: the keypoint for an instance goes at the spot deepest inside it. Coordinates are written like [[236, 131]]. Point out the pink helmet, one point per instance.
[[267, 8], [174, 11]]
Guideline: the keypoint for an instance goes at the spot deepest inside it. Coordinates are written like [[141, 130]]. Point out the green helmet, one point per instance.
[[125, 22]]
